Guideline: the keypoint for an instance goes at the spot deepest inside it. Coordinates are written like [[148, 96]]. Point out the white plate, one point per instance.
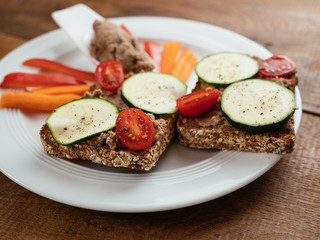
[[182, 177]]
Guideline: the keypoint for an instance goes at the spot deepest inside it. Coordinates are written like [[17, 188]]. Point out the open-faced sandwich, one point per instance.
[[128, 126], [255, 109], [102, 128]]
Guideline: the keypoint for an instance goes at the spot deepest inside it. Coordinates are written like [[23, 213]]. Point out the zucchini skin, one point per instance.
[[257, 129], [80, 140], [226, 84]]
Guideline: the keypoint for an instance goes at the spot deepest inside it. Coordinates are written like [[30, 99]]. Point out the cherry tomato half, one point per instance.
[[109, 74], [277, 66], [197, 103], [135, 129]]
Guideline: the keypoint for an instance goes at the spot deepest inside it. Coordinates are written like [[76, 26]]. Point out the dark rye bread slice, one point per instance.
[[212, 130], [106, 149]]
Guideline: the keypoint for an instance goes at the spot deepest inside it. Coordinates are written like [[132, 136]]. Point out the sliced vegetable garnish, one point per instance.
[[34, 101], [224, 68], [153, 92], [76, 89], [169, 54], [59, 67], [23, 80], [81, 119], [197, 103], [153, 49], [135, 129], [184, 65], [277, 66], [257, 105], [109, 75]]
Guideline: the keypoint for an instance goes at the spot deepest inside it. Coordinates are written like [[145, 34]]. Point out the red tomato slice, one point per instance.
[[277, 66], [197, 103], [109, 74], [135, 129]]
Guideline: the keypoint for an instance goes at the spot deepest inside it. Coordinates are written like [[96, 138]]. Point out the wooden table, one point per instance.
[[282, 204]]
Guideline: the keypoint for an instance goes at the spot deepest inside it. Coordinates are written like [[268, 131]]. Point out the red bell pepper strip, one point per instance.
[[23, 80], [58, 67], [153, 49], [126, 30]]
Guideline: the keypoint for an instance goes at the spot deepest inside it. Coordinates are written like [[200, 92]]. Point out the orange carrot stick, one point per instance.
[[76, 89], [33, 101], [184, 65], [169, 54]]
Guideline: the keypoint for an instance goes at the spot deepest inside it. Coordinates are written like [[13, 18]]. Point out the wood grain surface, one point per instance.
[[284, 203]]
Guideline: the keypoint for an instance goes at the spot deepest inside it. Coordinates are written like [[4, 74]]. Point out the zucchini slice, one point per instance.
[[257, 105], [81, 119], [153, 92], [222, 69]]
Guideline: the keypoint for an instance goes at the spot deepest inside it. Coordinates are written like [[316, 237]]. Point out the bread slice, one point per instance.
[[212, 130], [106, 149]]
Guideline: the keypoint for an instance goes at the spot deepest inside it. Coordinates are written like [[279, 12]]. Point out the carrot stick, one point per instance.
[[33, 101], [169, 54], [76, 89], [184, 65]]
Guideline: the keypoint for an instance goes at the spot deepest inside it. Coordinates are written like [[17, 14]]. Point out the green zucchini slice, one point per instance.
[[224, 68], [153, 92], [257, 105], [81, 119]]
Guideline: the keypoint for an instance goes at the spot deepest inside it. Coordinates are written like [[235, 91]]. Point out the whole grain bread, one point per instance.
[[213, 131], [106, 149]]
